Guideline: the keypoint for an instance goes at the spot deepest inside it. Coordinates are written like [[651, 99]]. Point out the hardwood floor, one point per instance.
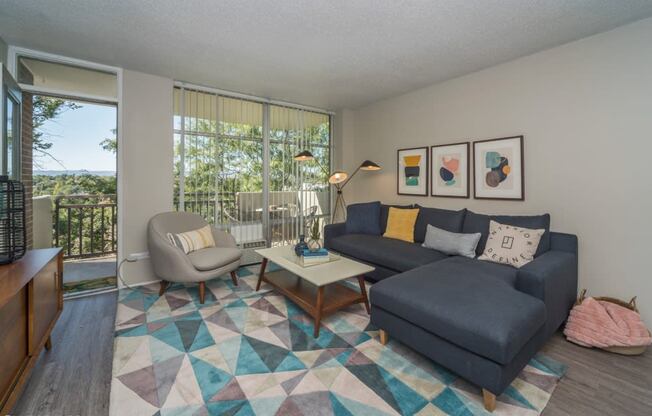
[[600, 383], [74, 378]]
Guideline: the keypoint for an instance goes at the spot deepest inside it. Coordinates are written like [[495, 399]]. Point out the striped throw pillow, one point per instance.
[[193, 240]]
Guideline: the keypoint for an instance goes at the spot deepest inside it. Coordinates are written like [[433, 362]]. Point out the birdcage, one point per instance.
[[13, 240]]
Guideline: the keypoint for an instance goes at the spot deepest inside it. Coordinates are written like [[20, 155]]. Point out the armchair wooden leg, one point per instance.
[[489, 400], [202, 292], [383, 337], [234, 278], [48, 343], [164, 285]]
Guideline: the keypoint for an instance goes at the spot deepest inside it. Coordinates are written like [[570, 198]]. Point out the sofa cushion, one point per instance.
[[479, 223], [363, 218], [384, 214], [441, 218], [387, 252], [214, 257], [465, 302]]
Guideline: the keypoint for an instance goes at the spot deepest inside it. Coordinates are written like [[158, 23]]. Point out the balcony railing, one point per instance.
[[85, 225], [241, 212]]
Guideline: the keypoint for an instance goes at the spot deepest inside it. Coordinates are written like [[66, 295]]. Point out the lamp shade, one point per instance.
[[303, 156], [369, 165], [338, 177]]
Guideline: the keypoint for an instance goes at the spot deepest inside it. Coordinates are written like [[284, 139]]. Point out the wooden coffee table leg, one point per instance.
[[320, 304], [262, 272], [363, 291]]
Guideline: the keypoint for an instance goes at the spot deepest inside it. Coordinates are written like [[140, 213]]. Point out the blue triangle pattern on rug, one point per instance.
[[450, 403], [249, 362], [210, 379], [253, 353], [338, 407]]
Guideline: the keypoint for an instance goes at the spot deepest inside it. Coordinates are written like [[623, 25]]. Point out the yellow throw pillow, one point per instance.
[[400, 224], [193, 240]]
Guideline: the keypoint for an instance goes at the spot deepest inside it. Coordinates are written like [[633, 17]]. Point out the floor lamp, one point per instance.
[[339, 179]]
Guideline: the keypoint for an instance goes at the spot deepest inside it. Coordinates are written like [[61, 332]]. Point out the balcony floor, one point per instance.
[[76, 270]]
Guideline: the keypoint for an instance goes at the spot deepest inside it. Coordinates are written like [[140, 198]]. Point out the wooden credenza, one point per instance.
[[31, 300]]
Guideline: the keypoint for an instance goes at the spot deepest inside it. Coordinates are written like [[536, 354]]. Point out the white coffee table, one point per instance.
[[315, 289]]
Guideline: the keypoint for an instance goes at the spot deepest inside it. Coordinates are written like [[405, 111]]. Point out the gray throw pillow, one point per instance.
[[451, 243]]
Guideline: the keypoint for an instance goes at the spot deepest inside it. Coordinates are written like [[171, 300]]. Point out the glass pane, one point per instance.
[[240, 168], [300, 187], [10, 136], [222, 163]]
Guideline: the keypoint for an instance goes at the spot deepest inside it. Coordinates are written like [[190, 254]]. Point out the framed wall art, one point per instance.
[[412, 171], [499, 169], [450, 170]]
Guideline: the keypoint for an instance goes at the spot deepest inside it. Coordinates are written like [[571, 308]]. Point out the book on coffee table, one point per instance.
[[307, 261]]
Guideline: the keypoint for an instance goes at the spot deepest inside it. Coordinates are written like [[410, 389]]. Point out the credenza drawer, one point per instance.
[[45, 302], [31, 299], [13, 342]]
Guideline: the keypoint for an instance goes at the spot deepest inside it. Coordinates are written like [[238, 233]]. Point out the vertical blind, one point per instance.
[[220, 150]]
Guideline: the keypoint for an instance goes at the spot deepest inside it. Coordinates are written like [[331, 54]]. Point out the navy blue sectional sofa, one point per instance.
[[482, 320]]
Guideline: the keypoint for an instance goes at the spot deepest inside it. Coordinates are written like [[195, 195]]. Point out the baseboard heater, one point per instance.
[[249, 255]]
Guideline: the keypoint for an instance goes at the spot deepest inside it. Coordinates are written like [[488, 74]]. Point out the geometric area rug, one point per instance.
[[252, 353]]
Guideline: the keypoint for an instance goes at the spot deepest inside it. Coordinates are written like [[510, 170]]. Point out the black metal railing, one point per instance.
[[85, 225]]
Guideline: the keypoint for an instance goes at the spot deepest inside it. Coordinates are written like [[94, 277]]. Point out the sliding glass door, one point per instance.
[[234, 166]]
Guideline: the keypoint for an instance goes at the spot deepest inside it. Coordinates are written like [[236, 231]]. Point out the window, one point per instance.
[[10, 110], [243, 178]]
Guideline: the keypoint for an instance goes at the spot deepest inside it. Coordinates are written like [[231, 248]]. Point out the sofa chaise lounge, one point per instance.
[[482, 320]]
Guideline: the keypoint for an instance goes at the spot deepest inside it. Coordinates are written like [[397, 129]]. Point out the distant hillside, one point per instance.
[[74, 172]]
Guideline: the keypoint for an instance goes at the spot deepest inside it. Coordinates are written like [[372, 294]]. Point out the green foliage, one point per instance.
[[74, 185], [234, 163], [96, 219], [110, 144], [315, 229]]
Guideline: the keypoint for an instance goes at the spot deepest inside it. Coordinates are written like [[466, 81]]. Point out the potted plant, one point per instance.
[[314, 234]]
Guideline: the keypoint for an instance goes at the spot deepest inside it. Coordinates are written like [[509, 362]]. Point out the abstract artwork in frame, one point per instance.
[[412, 171], [499, 169], [450, 170]]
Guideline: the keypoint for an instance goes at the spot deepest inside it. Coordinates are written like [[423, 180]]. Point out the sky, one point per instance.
[[76, 136]]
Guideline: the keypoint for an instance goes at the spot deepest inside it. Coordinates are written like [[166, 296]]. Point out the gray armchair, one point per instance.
[[171, 264]]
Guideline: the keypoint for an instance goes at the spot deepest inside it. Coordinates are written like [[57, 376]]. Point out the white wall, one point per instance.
[[145, 172], [585, 109], [42, 221]]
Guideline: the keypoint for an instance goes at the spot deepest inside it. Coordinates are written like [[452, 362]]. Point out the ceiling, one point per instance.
[[330, 54]]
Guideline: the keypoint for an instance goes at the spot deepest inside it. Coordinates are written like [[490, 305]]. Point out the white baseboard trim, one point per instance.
[[149, 282], [88, 293]]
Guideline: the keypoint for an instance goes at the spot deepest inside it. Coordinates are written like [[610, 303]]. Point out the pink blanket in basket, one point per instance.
[[603, 324]]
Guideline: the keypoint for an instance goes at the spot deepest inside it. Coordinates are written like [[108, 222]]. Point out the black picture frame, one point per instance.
[[468, 171], [426, 151], [521, 152]]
